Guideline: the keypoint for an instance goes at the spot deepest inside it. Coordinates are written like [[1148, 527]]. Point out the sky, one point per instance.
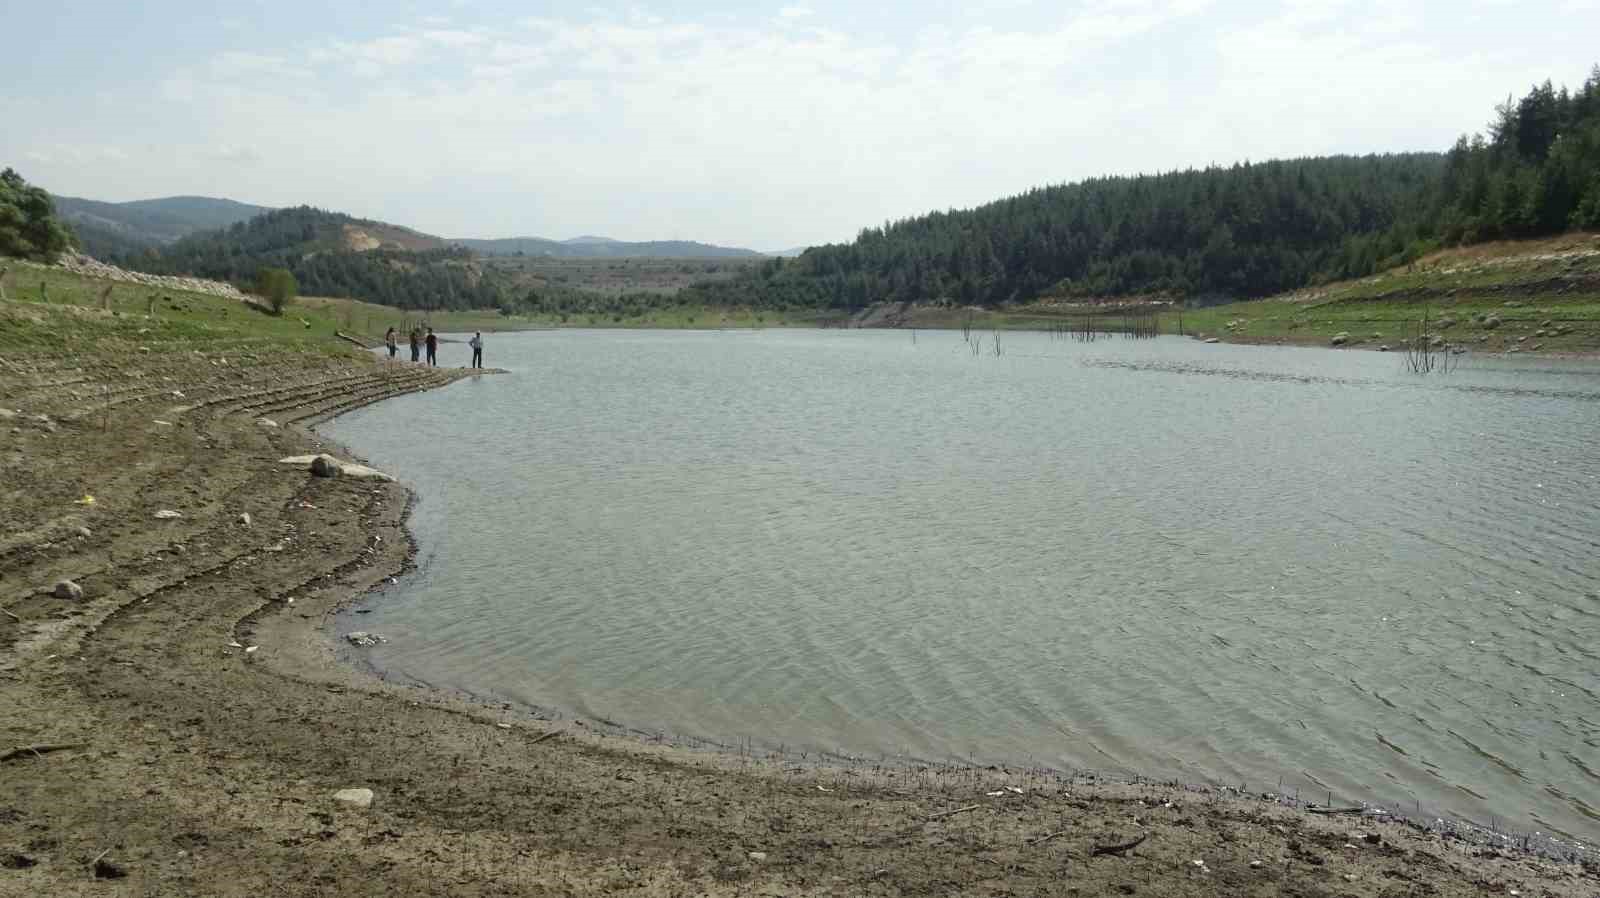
[[766, 126]]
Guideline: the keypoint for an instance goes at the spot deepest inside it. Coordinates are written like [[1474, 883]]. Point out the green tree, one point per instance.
[[277, 286], [28, 224]]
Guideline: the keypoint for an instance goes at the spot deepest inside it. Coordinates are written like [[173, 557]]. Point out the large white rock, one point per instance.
[[361, 798], [333, 467], [362, 472]]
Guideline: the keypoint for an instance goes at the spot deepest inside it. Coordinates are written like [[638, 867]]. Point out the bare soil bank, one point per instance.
[[170, 759]]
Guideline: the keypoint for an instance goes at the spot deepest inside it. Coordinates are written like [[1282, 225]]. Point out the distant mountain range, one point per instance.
[[603, 248], [112, 230]]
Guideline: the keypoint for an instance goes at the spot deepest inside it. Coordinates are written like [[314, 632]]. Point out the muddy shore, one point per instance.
[[182, 726]]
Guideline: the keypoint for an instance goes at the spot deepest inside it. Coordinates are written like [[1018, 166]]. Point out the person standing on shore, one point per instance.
[[433, 348], [389, 341], [416, 345], [477, 349]]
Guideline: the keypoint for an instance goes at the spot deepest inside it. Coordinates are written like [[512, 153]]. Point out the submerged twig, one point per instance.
[[942, 814], [1120, 849], [38, 750]]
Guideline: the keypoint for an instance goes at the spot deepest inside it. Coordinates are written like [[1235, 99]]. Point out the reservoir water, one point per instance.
[[1213, 563]]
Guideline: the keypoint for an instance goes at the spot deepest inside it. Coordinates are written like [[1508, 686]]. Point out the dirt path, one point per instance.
[[190, 764]]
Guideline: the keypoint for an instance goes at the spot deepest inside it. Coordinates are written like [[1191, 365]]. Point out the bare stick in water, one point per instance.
[[38, 750], [1119, 849], [943, 814]]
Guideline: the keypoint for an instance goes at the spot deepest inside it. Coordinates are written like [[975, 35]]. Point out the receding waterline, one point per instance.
[[1208, 563]]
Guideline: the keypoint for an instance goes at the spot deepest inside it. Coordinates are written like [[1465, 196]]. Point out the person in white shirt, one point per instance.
[[477, 349]]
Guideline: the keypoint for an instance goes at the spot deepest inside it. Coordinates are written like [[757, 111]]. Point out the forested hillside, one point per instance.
[[1242, 231], [1218, 234], [1536, 173], [331, 254]]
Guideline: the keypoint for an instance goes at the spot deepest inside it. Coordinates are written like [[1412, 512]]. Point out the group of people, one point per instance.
[[431, 341]]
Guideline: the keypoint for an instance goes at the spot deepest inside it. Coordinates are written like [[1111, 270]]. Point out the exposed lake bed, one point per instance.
[[1210, 563]]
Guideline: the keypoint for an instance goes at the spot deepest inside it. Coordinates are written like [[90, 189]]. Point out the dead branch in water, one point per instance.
[[39, 751], [1119, 850], [943, 814]]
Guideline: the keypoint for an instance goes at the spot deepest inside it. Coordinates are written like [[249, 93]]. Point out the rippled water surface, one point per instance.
[[1216, 563]]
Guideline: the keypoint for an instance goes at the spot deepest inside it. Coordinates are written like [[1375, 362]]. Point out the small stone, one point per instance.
[[1212, 340], [104, 869], [1383, 348], [503, 726], [1340, 338], [1372, 839], [361, 798], [250, 649], [244, 518], [1256, 864], [84, 532], [363, 638], [266, 422], [66, 589], [758, 856], [326, 466], [167, 514]]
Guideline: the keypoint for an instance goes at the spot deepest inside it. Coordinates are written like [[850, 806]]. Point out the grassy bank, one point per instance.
[[1530, 296], [1526, 296]]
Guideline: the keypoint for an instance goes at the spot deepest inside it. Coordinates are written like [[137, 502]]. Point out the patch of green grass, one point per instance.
[[133, 310]]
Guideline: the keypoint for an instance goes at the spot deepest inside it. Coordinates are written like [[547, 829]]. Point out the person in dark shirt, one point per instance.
[[433, 348], [477, 349], [416, 345], [389, 341]]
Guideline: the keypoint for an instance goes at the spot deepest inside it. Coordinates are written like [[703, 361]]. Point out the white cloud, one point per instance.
[[75, 154], [452, 38], [628, 124], [234, 153], [796, 12]]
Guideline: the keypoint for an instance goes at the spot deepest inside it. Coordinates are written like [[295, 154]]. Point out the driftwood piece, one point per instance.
[[943, 814], [38, 750], [1119, 849], [7, 613], [1335, 811], [1046, 837], [550, 735]]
